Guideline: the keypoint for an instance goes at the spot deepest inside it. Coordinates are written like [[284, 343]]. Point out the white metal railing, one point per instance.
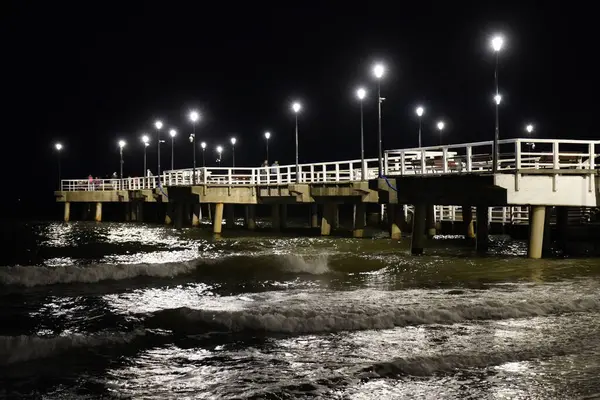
[[508, 215], [516, 155]]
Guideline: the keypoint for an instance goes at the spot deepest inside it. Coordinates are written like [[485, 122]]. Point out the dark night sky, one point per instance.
[[88, 75]]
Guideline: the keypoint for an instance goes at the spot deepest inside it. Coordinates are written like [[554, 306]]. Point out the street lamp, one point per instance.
[[441, 126], [296, 107], [203, 145], [194, 117], [378, 71], [233, 141], [361, 93], [220, 151], [58, 147], [497, 44], [158, 125], [420, 110], [267, 137], [172, 133], [121, 145], [146, 141], [529, 129]]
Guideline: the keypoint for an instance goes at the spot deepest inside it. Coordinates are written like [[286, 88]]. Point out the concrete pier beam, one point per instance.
[[275, 217], [67, 212], [98, 212], [230, 216], [417, 244], [251, 217], [329, 211], [196, 214], [314, 216], [360, 220], [430, 221], [467, 215], [536, 231], [482, 229], [394, 222], [218, 219]]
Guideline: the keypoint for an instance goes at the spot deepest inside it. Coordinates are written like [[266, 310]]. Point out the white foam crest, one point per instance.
[[315, 317], [36, 276], [304, 264], [22, 348]]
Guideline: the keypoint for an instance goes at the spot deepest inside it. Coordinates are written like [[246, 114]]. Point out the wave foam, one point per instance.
[[299, 264], [24, 348], [315, 318], [36, 276]]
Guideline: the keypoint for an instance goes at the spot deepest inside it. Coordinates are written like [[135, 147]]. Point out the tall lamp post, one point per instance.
[[194, 117], [361, 93], [158, 125], [267, 137], [529, 129], [58, 147], [441, 126], [121, 145], [420, 110], [296, 107], [378, 71], [146, 141], [220, 152], [233, 141], [203, 145], [497, 44], [172, 133]]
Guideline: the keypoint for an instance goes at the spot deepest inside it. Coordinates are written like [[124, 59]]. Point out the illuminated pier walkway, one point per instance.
[[426, 185]]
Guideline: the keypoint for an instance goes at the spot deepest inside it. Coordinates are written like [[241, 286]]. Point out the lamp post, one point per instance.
[[58, 147], [158, 125], [121, 145], [420, 110], [203, 145], [296, 107], [220, 151], [441, 126], [497, 44], [146, 141], [194, 117], [172, 133], [267, 137], [378, 71], [233, 141], [361, 93], [529, 129]]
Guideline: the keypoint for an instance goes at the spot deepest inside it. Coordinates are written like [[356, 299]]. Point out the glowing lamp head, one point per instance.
[[296, 107], [203, 145], [233, 141], [267, 135], [497, 99], [194, 116], [121, 144], [158, 124], [58, 146], [441, 125], [378, 71], [529, 128], [497, 43], [145, 139], [361, 93], [420, 110], [219, 149], [173, 132]]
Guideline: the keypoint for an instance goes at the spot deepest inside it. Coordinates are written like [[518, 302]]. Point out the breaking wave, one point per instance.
[[22, 348], [299, 264], [316, 318]]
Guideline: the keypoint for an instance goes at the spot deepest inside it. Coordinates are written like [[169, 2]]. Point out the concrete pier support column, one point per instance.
[[133, 212], [179, 210], [127, 212], [482, 228], [230, 216], [360, 220], [98, 212], [196, 214], [218, 219], [251, 217], [547, 241], [140, 211], [467, 215], [169, 214], [284, 215], [536, 231], [314, 215], [329, 210], [67, 212], [336, 217], [395, 230], [418, 234], [430, 221], [275, 217]]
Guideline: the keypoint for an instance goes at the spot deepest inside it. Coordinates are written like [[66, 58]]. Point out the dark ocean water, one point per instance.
[[117, 310]]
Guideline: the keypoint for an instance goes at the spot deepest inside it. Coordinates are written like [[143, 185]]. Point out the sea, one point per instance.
[[138, 311]]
